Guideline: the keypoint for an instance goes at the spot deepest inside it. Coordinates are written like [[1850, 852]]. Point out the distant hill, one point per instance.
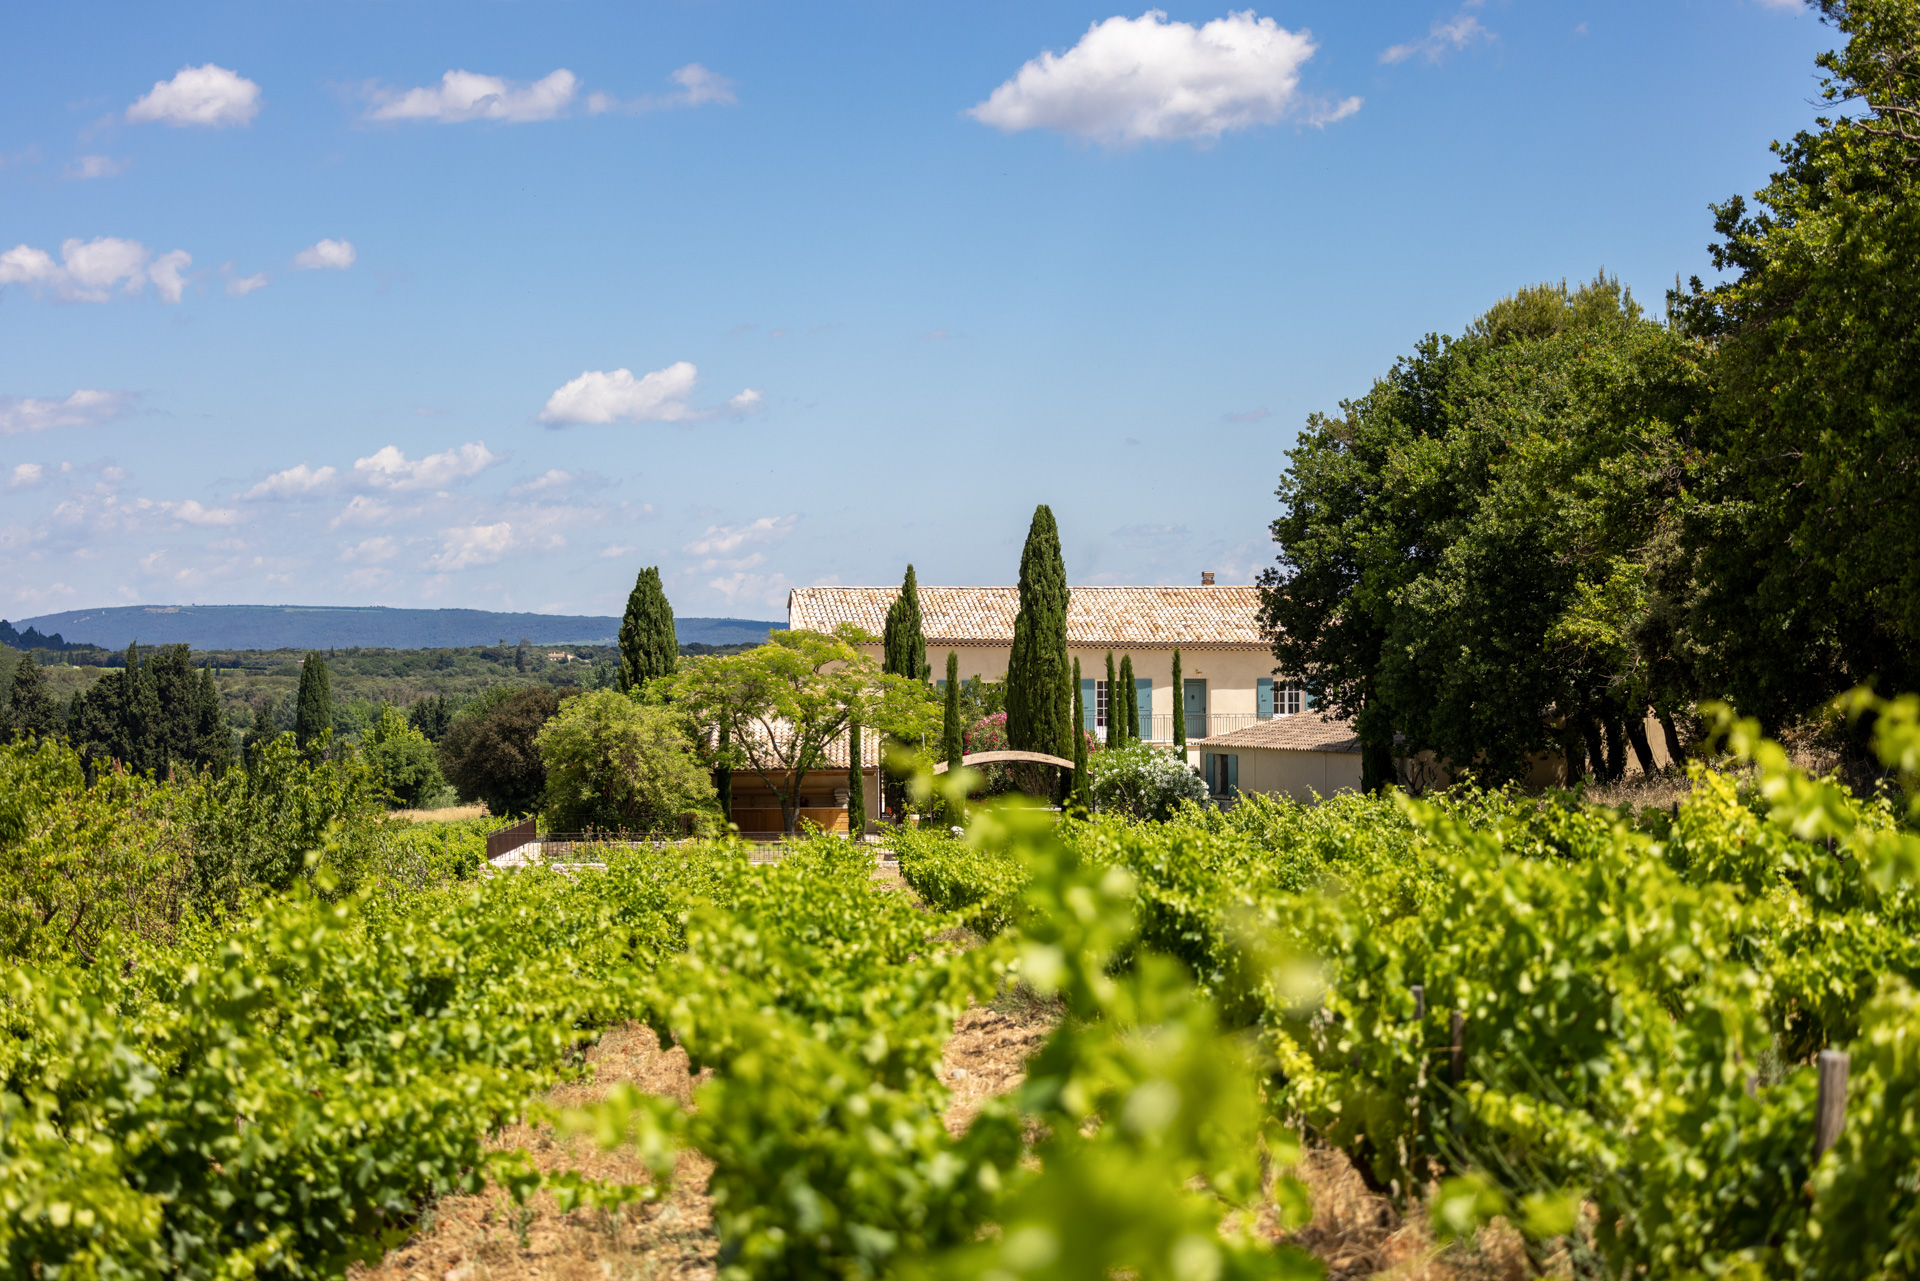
[[342, 627]]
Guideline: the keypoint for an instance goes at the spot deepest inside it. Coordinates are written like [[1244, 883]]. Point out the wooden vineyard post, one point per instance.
[[1419, 991], [1830, 1112], [1457, 1055]]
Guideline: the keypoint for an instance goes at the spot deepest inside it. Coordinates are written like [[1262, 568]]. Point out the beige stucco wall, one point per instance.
[[1232, 675], [1299, 775]]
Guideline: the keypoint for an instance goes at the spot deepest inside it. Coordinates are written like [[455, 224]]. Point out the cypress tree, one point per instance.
[[1079, 741], [313, 713], [1116, 715], [904, 645], [143, 733], [36, 713], [856, 785], [177, 692], [952, 741], [213, 744], [1037, 694], [1130, 692], [648, 647], [1179, 705]]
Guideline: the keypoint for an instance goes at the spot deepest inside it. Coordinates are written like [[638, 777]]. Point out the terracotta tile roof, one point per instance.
[[1304, 732], [1136, 616]]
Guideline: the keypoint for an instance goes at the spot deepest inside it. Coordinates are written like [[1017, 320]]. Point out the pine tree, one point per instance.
[[904, 644], [36, 712], [1037, 694], [1080, 796], [648, 646], [1116, 717], [1179, 706], [953, 740], [856, 786], [1130, 698], [313, 713]]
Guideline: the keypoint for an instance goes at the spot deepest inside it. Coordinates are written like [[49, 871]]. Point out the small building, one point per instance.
[[1302, 756]]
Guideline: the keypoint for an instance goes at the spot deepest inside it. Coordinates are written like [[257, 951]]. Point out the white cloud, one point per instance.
[[698, 87], [204, 95], [26, 476], [241, 286], [388, 468], [34, 595], [1131, 80], [85, 167], [294, 482], [753, 589], [371, 551], [334, 255], [600, 397], [746, 402], [553, 480], [616, 552], [721, 541], [193, 513], [361, 511], [468, 545], [466, 95], [1447, 35], [89, 270], [19, 415]]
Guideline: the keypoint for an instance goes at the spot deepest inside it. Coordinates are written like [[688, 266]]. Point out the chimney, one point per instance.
[[1206, 578]]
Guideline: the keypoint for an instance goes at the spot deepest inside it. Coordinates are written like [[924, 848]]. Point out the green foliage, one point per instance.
[[32, 710], [492, 756], [616, 765], [903, 645], [1082, 797], [982, 888], [648, 649], [1038, 700], [432, 717], [856, 784], [1116, 718], [1143, 782], [313, 709], [953, 730], [402, 760], [1179, 704], [1129, 694]]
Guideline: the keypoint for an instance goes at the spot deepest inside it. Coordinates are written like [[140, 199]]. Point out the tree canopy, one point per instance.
[[1039, 702], [648, 649], [614, 764]]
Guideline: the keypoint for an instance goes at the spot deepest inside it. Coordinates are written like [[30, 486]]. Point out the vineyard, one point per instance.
[[1597, 1026]]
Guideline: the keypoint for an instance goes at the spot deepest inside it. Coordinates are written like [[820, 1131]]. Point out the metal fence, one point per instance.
[[1159, 728]]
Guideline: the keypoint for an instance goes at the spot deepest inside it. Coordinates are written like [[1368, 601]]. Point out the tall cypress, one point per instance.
[[1179, 705], [212, 744], [953, 741], [1038, 703], [1130, 692], [648, 647], [36, 712], [142, 731], [904, 646], [856, 785], [313, 712], [1079, 740], [177, 691], [1116, 715]]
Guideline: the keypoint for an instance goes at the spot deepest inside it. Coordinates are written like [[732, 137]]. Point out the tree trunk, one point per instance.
[[1616, 747], [1674, 752], [1637, 735], [1574, 751], [1596, 753]]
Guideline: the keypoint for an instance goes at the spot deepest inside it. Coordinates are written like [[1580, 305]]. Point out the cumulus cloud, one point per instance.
[[553, 480], [753, 589], [1133, 80], [241, 286], [90, 270], [85, 167], [465, 546], [19, 415], [34, 595], [746, 402], [617, 551], [698, 88], [295, 482], [600, 397], [193, 513], [361, 511], [371, 551], [26, 476], [466, 95], [327, 255], [206, 95], [721, 544], [1447, 35], [391, 469]]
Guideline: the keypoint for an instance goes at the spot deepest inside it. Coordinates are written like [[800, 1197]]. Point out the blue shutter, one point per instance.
[[1263, 698], [1233, 774], [1306, 696], [1144, 686], [1089, 703]]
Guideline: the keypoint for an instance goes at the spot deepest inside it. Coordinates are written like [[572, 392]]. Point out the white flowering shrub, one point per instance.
[[1143, 782]]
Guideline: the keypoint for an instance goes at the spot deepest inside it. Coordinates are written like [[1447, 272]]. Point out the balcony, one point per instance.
[[1161, 728]]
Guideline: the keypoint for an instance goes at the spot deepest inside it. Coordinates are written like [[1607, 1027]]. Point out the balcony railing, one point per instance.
[[1207, 726]]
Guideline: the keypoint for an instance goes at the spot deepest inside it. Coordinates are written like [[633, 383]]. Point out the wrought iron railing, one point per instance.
[[1159, 728]]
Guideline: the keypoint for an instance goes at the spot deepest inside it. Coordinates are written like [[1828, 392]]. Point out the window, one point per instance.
[[1100, 704], [1287, 700]]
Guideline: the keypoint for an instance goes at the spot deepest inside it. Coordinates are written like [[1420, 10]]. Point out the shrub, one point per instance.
[[492, 757], [402, 759], [616, 765], [1141, 781]]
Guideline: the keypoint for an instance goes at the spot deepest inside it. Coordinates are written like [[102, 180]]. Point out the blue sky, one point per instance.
[[489, 305]]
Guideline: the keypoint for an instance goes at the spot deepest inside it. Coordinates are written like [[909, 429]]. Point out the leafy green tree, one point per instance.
[[402, 759], [617, 765], [1038, 701], [523, 660], [431, 716], [1130, 696], [34, 711], [856, 785], [781, 704], [494, 757], [648, 648], [1807, 534], [313, 711], [904, 641], [1116, 717], [1179, 705]]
